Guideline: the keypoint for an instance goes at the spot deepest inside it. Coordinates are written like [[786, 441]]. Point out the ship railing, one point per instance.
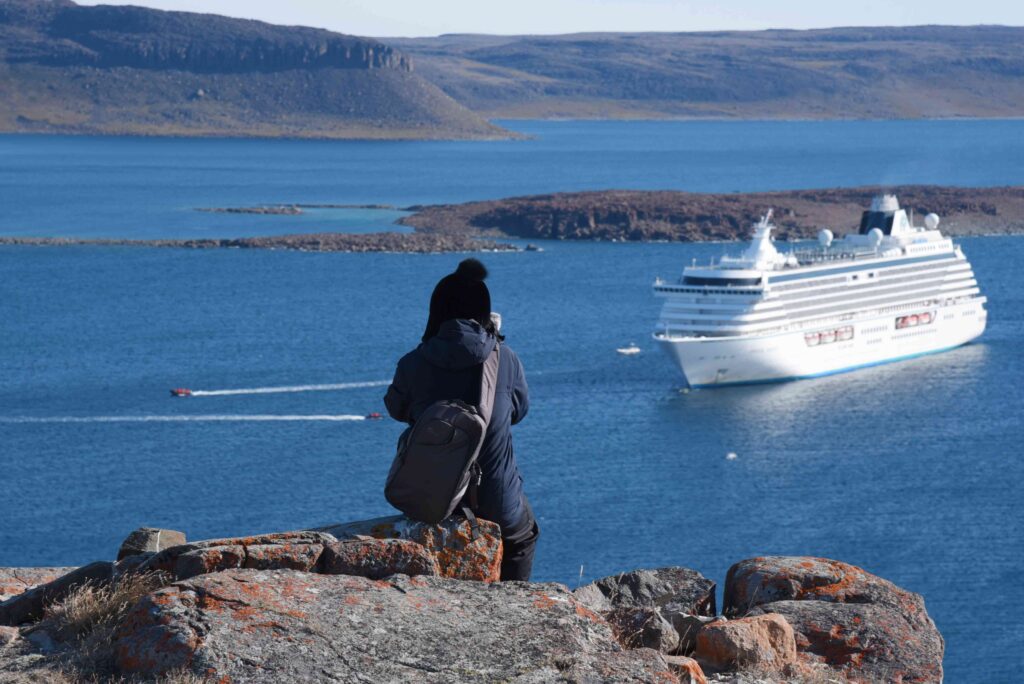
[[804, 257]]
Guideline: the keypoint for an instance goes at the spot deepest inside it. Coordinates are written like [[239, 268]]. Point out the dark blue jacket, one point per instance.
[[448, 366]]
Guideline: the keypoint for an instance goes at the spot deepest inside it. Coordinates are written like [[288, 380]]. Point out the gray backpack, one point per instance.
[[436, 461]]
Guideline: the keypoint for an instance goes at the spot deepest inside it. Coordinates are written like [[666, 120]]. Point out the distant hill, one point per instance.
[[128, 70], [924, 71]]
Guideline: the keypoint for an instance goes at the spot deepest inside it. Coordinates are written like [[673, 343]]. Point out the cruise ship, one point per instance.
[[888, 292]]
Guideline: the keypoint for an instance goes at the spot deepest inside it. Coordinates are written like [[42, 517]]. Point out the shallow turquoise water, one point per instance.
[[911, 470]]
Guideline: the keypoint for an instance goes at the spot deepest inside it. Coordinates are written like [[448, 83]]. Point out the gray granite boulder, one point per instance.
[[643, 628], [15, 581], [661, 609], [677, 588], [30, 605], [866, 643], [377, 558], [274, 626], [283, 550], [149, 540], [860, 625], [459, 554]]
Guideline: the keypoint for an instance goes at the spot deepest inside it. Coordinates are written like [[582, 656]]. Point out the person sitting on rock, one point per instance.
[[459, 337]]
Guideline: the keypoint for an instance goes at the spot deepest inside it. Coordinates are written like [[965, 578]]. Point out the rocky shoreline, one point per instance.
[[636, 215], [414, 243], [614, 216], [278, 210], [391, 599]]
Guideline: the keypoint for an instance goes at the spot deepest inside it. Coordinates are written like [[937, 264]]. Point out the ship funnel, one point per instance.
[[885, 203]]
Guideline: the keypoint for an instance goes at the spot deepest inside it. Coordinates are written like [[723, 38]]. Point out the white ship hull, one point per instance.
[[746, 359]]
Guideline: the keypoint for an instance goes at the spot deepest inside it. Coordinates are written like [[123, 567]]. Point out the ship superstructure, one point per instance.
[[890, 291]]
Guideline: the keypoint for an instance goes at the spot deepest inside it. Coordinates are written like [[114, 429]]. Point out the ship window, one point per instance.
[[876, 219], [697, 280]]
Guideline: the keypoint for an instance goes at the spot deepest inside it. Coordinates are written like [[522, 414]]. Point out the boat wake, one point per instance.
[[289, 388], [200, 418]]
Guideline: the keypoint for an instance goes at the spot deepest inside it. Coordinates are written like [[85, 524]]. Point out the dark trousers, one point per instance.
[[519, 544]]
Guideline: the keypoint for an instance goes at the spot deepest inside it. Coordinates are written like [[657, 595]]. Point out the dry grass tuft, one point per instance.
[[90, 608], [86, 621], [801, 673], [67, 676]]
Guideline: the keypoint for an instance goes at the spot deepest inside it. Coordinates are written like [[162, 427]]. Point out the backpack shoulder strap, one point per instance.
[[489, 383]]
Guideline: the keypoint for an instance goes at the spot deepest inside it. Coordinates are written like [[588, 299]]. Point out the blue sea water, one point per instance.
[[911, 470], [150, 187]]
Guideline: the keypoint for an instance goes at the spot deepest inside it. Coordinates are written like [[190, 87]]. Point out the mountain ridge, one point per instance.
[[66, 68], [837, 73]]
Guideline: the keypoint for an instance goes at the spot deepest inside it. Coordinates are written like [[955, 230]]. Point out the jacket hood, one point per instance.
[[459, 344]]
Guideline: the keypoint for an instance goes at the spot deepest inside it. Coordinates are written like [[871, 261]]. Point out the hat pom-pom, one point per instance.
[[472, 269]]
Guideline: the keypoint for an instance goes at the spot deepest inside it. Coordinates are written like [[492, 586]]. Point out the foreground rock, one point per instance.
[[264, 626], [374, 548], [675, 588], [686, 669], [853, 621], [149, 540], [31, 604], [764, 642], [451, 543], [282, 551], [15, 581], [387, 600], [663, 609]]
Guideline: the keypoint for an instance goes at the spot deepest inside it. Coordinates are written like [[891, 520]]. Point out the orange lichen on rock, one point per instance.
[[766, 642], [286, 550], [543, 601], [686, 670], [377, 558], [759, 581], [282, 556], [149, 641], [843, 616], [273, 626], [15, 581], [585, 612], [458, 555]]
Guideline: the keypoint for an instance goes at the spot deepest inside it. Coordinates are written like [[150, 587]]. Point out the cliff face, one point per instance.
[[64, 34], [106, 69]]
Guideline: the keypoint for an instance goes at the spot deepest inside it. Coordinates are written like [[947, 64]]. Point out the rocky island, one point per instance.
[[390, 599], [665, 215], [615, 216]]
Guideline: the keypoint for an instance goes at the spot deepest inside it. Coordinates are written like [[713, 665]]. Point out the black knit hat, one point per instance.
[[462, 294]]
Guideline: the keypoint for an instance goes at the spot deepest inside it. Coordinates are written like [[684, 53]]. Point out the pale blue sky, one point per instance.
[[433, 17]]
